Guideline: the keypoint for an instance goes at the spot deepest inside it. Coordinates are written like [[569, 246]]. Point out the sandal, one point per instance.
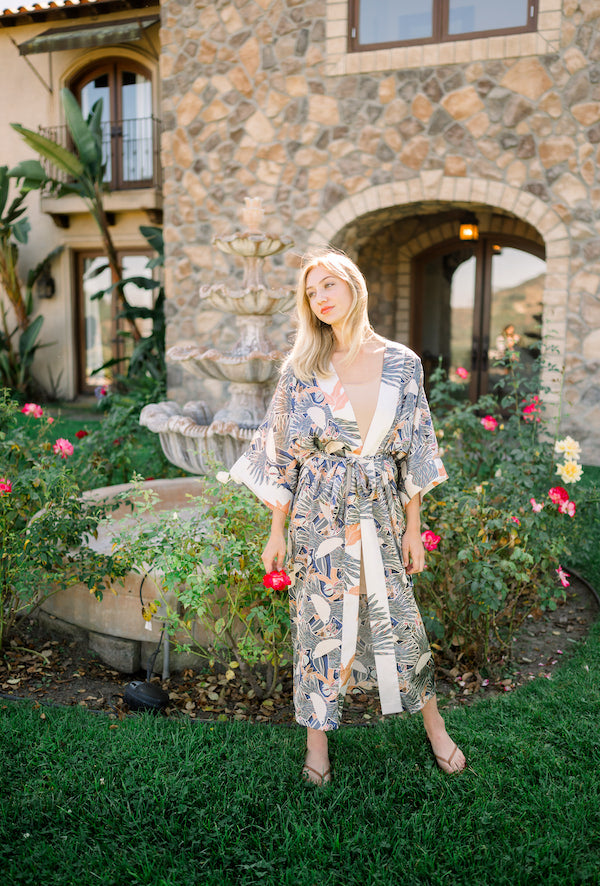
[[323, 777], [440, 760]]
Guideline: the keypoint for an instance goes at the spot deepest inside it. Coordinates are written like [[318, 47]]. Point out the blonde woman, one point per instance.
[[346, 452]]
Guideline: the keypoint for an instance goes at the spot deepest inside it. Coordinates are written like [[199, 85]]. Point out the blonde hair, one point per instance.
[[315, 341]]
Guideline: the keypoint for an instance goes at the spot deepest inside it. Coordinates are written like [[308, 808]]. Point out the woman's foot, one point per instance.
[[316, 767], [447, 754]]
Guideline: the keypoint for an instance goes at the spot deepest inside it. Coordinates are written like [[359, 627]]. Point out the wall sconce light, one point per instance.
[[45, 286], [469, 227]]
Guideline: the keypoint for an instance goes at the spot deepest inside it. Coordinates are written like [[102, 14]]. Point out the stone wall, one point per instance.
[[253, 106]]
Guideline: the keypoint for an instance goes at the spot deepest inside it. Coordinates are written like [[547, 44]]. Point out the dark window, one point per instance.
[[379, 23]]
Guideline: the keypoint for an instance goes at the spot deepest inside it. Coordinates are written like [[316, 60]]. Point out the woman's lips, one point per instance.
[[327, 309]]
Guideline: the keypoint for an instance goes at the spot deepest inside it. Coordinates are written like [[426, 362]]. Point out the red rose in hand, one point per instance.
[[277, 580]]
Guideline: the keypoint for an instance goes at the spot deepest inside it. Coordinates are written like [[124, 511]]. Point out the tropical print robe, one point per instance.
[[345, 498]]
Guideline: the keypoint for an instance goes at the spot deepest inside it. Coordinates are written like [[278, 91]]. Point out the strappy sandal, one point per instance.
[[323, 777], [440, 760]]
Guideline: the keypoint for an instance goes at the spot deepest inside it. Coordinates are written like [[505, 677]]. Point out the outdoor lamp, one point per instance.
[[45, 286], [469, 227]]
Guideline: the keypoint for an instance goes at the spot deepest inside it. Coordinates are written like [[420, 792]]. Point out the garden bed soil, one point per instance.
[[52, 669]]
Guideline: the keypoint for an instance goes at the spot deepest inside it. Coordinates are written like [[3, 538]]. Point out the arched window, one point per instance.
[[130, 132]]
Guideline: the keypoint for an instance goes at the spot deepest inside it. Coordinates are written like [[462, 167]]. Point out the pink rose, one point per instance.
[[567, 507], [563, 577], [535, 505], [32, 409], [462, 372], [63, 448], [430, 540], [5, 486], [516, 520], [277, 580], [489, 423], [50, 421], [558, 494]]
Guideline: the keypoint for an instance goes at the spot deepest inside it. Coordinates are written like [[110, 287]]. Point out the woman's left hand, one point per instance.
[[413, 552]]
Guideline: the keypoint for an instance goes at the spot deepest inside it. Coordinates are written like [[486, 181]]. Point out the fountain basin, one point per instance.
[[253, 300], [114, 626], [252, 368], [192, 445]]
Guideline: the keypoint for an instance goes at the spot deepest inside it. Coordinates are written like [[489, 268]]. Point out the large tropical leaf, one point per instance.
[[90, 152], [27, 344], [66, 161], [21, 230], [32, 172], [154, 236]]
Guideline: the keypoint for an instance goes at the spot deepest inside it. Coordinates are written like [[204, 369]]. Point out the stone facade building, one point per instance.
[[384, 152]]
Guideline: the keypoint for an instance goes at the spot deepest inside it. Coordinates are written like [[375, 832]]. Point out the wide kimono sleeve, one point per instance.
[[421, 469], [269, 467]]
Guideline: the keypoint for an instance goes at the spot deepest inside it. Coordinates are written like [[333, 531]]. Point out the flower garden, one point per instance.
[[504, 536]]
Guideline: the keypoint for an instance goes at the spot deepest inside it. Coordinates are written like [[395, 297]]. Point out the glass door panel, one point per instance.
[[447, 307], [136, 125], [98, 322], [106, 336], [99, 88], [517, 286]]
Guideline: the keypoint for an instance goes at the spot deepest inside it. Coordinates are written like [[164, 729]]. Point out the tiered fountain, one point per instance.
[[192, 435]]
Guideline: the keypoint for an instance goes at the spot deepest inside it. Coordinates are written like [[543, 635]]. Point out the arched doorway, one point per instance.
[[470, 300]]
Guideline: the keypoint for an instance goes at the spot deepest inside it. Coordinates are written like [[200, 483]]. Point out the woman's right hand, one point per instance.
[[273, 556]]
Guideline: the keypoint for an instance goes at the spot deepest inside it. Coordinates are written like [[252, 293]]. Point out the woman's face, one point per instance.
[[329, 297]]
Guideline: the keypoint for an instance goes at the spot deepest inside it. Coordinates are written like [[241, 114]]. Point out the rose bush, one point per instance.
[[43, 517], [209, 558], [505, 530]]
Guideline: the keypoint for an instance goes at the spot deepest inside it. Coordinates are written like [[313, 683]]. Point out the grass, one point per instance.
[[585, 553], [91, 800]]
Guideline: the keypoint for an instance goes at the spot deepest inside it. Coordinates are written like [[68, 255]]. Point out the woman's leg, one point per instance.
[[317, 757], [443, 746]]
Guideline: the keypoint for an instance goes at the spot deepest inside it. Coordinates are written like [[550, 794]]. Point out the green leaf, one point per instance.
[[90, 152], [27, 341], [21, 230], [31, 171], [66, 161], [154, 236]]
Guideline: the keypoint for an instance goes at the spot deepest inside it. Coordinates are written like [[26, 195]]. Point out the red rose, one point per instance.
[[277, 580], [558, 494], [81, 434]]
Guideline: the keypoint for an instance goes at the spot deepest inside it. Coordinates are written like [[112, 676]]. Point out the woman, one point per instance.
[[346, 450]]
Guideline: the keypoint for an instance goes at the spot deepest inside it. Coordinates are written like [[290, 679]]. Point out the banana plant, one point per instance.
[[16, 360], [83, 169]]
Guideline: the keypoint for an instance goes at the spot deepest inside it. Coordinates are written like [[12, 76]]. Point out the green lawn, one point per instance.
[[90, 800]]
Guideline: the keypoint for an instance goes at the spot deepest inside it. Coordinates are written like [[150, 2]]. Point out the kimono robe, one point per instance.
[[345, 498]]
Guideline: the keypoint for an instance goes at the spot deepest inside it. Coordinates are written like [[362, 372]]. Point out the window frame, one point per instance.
[[113, 67], [440, 18]]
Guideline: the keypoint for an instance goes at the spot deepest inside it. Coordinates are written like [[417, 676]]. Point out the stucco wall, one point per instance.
[[26, 100], [258, 100]]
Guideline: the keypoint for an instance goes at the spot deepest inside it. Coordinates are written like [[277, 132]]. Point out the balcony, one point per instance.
[[133, 174]]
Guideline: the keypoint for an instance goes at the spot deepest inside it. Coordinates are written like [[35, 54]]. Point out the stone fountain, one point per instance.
[[192, 436]]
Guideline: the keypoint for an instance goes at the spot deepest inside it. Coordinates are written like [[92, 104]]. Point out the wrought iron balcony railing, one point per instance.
[[130, 148]]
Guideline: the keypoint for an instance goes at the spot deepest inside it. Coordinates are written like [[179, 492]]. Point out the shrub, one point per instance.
[[208, 556], [117, 447], [43, 518], [504, 525]]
